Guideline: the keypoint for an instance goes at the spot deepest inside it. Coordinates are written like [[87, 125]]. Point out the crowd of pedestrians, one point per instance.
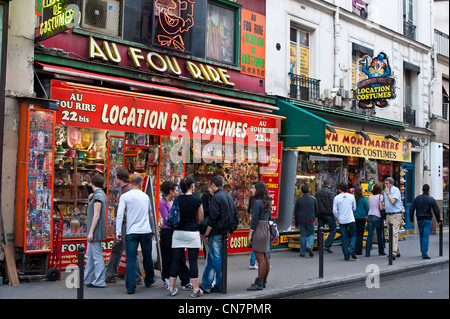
[[357, 214], [208, 220]]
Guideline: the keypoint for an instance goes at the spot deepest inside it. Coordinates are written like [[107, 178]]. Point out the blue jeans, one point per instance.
[[331, 222], [424, 231], [306, 237], [374, 222], [348, 233], [214, 263], [132, 241]]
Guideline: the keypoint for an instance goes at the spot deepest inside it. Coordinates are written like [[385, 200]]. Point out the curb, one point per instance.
[[322, 283]]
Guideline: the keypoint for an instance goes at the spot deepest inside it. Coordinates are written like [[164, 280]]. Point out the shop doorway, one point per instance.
[[409, 190]]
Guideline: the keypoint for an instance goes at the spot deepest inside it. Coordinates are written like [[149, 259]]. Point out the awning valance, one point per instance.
[[301, 128]]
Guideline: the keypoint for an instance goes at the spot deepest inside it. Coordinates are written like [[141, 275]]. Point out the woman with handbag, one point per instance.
[[259, 234], [375, 220], [169, 190], [187, 236]]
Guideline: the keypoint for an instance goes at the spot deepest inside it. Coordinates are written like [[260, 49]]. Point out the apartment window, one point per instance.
[[408, 7], [445, 104], [299, 51], [220, 36], [408, 89]]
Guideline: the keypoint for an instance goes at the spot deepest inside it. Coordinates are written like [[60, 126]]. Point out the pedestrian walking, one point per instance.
[[360, 213], [375, 221], [169, 190], [325, 215], [187, 236], [305, 212], [343, 206], [140, 228], [94, 272], [223, 220], [394, 212], [259, 234], [123, 182], [422, 205]]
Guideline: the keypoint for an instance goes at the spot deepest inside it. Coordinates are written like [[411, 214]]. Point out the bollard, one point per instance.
[[320, 243], [80, 292], [391, 236], [224, 262], [441, 238]]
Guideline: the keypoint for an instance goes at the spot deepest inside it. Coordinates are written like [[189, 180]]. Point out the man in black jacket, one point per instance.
[[325, 215], [305, 218], [423, 204], [223, 220]]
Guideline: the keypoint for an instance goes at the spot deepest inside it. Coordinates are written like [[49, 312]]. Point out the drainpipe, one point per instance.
[[337, 49]]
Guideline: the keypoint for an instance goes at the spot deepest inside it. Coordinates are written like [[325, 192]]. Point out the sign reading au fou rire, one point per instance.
[[161, 63]]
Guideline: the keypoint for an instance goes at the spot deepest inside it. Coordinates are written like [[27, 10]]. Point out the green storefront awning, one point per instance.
[[301, 128]]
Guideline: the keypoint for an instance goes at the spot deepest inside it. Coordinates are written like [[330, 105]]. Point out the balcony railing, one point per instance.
[[409, 30], [304, 88], [409, 116]]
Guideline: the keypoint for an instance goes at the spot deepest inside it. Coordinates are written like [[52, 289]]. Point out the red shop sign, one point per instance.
[[93, 107], [270, 174]]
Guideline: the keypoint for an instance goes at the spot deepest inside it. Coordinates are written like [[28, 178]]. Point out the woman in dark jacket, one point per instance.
[[259, 234]]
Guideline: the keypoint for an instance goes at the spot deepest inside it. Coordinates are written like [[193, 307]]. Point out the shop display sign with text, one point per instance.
[[379, 86], [349, 143], [86, 106]]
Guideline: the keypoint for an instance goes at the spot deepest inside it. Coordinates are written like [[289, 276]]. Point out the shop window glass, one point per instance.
[[220, 37]]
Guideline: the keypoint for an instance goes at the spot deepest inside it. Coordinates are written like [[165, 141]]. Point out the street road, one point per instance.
[[431, 283]]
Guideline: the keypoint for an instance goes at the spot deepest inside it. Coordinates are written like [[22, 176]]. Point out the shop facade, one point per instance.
[[98, 130]]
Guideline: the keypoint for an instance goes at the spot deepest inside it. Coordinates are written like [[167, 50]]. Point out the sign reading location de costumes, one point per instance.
[[102, 108], [378, 87]]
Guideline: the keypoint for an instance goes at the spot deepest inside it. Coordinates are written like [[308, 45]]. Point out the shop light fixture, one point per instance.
[[392, 137], [330, 128], [413, 141], [364, 135]]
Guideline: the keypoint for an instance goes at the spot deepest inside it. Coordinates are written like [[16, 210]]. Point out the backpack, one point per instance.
[[173, 219]]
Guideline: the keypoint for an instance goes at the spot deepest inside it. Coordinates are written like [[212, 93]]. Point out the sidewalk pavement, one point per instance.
[[289, 274]]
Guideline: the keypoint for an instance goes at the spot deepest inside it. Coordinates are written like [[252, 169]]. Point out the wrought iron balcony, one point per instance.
[[409, 116], [304, 88], [409, 30]]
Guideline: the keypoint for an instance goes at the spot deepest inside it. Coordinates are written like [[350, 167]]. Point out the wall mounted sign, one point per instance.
[[253, 43], [379, 85], [57, 16], [348, 143], [174, 19], [157, 62]]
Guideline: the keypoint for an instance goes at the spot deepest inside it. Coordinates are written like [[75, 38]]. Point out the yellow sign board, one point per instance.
[[349, 143]]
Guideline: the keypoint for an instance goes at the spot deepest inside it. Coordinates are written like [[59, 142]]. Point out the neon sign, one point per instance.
[[175, 18]]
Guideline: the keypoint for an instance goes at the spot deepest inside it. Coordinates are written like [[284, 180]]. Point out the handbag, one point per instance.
[[173, 219], [382, 208], [273, 229]]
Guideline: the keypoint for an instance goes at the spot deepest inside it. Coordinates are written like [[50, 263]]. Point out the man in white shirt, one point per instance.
[[343, 206], [139, 230], [394, 211]]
